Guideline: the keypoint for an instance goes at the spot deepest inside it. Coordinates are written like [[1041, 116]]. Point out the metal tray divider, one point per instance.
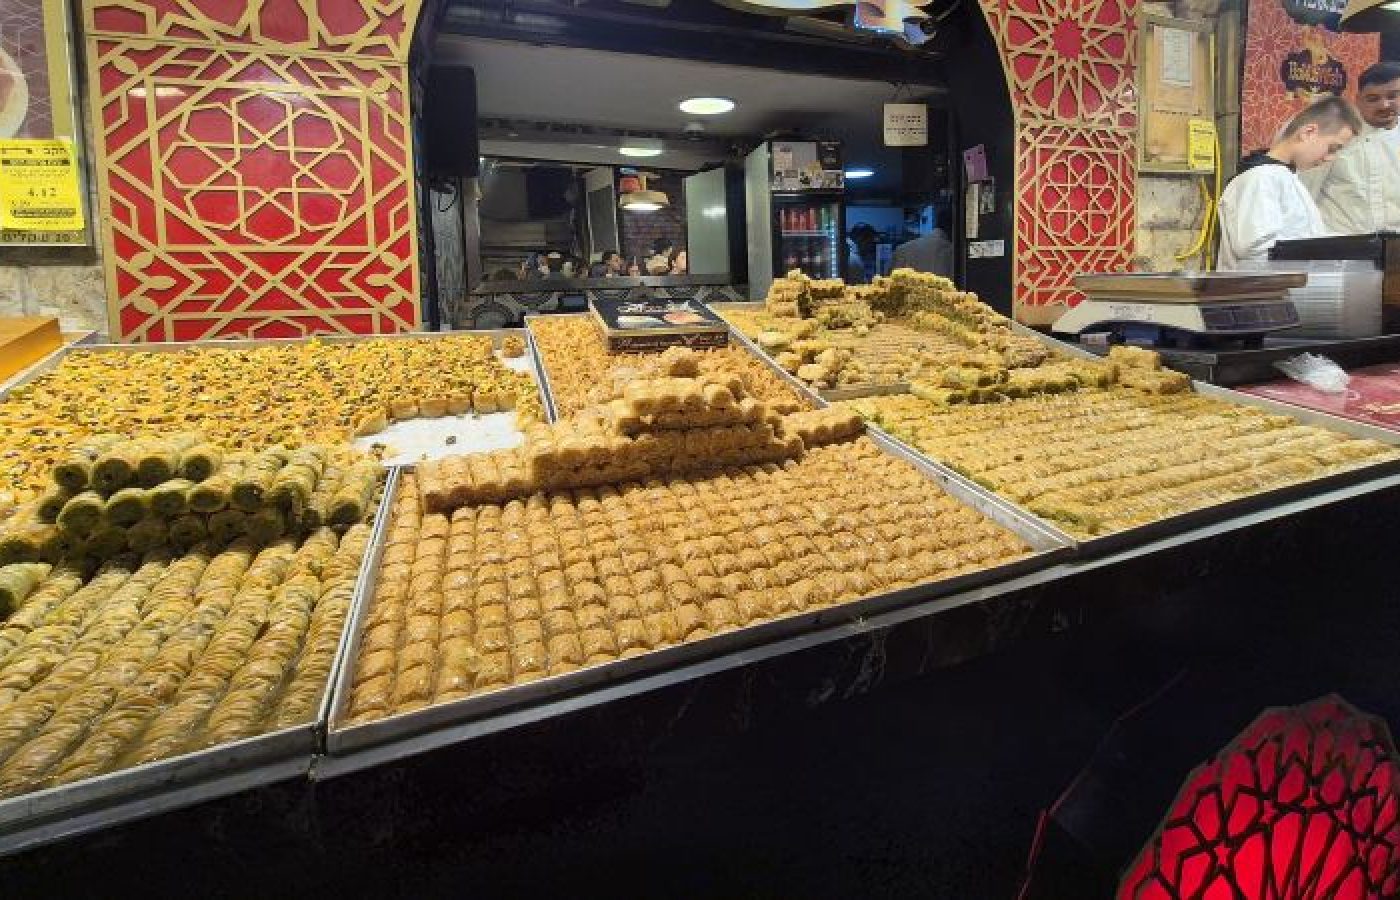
[[109, 798], [966, 490], [1190, 520], [541, 376], [349, 645]]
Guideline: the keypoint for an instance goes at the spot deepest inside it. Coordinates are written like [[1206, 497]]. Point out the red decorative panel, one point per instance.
[[380, 28], [1071, 67], [1305, 803], [1272, 37], [256, 166], [1068, 61], [253, 193], [1075, 210]]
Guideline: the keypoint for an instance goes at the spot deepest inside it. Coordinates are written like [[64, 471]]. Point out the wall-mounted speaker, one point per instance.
[[449, 122]]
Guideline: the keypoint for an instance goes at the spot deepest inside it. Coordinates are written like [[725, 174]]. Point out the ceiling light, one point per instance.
[[859, 173], [639, 151], [706, 106], [637, 198]]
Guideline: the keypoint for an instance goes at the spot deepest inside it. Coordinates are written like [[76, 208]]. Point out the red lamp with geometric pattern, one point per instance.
[[1304, 803]]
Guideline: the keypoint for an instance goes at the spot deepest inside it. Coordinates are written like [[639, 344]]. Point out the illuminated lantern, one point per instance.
[[1304, 803]]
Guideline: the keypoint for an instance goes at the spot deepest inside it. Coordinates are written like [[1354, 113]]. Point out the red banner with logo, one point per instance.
[[1295, 54]]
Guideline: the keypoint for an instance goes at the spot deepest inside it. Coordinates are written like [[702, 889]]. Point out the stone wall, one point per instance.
[[1170, 215], [74, 293]]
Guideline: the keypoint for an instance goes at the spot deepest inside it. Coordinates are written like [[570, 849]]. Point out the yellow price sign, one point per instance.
[[40, 190], [1200, 152]]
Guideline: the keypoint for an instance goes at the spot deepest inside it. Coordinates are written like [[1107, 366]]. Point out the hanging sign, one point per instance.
[[40, 191], [906, 125]]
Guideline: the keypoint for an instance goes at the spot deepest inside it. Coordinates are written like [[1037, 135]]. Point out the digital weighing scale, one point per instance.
[[1189, 311]]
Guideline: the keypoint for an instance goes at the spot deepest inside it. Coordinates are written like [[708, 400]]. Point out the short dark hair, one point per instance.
[[1382, 72], [1328, 114], [662, 245]]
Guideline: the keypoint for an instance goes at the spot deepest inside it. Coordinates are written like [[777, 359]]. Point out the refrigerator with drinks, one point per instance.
[[795, 210]]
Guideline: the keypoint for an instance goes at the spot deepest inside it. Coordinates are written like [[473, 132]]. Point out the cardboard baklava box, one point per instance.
[[25, 340], [641, 323]]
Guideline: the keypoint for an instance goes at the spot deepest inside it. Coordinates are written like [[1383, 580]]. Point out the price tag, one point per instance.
[[1200, 153], [39, 187]]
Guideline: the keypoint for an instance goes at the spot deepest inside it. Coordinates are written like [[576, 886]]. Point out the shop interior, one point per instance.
[[587, 166]]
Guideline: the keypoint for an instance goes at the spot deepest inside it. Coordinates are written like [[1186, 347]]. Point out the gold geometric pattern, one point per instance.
[[252, 191], [1069, 61], [1075, 210], [379, 28], [1070, 67]]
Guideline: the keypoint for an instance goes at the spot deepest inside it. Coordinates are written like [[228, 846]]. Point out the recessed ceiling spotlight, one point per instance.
[[706, 106], [639, 151], [859, 173]]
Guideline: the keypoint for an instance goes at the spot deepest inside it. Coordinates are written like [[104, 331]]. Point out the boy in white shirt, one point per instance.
[[1267, 202]]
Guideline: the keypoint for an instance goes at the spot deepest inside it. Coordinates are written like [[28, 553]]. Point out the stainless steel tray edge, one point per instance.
[[345, 740], [38, 369], [143, 806], [338, 695], [1037, 532], [186, 771], [803, 389], [349, 635]]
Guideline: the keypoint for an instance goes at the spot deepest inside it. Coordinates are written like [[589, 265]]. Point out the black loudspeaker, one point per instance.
[[449, 122]]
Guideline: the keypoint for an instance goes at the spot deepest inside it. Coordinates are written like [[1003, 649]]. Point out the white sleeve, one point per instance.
[[1254, 215], [1345, 200]]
